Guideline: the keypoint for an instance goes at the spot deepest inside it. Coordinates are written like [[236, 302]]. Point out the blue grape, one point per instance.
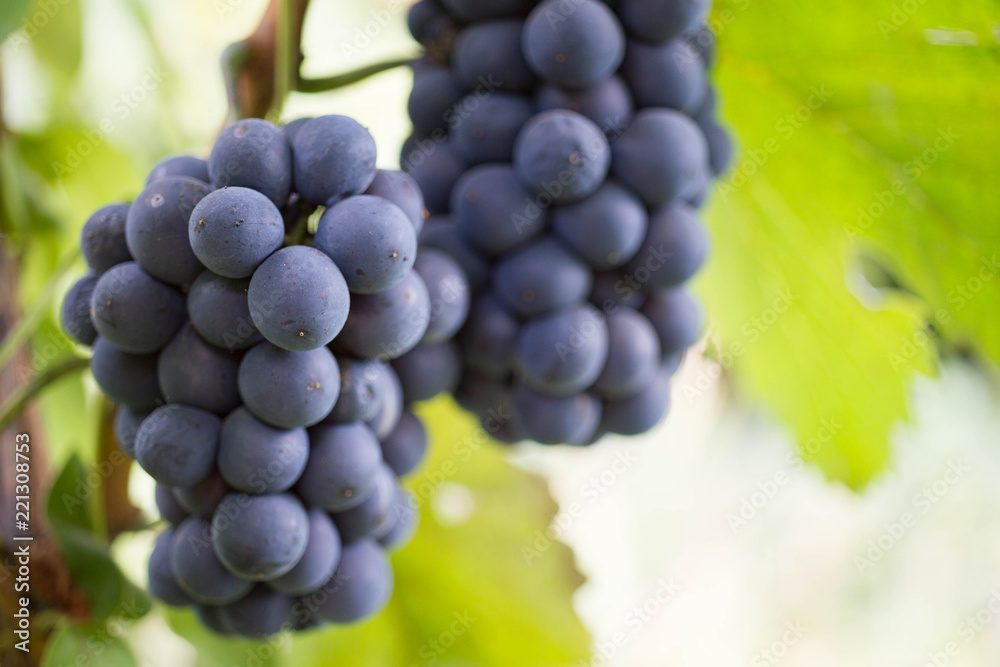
[[260, 537], [570, 420], [371, 240], [573, 45], [253, 153], [400, 188], [433, 98], [103, 238], [428, 370], [179, 165], [168, 506], [289, 389], [162, 582], [369, 517], [389, 324], [641, 412], [672, 362], [319, 560], [563, 353], [616, 288], [486, 132], [75, 314], [203, 498], [494, 210], [390, 407], [406, 446], [360, 586], [675, 248], [403, 523], [127, 423], [443, 233], [198, 570], [156, 229], [661, 20], [606, 229], [194, 373], [298, 299], [720, 147], [134, 311], [448, 291], [233, 230], [676, 317], [360, 390], [129, 379], [469, 11], [211, 617], [484, 396], [562, 155], [259, 614], [176, 444], [489, 338], [334, 159], [703, 41], [342, 468], [292, 128], [608, 103], [541, 278], [220, 313], [661, 156], [670, 75], [488, 55], [436, 167], [256, 458], [426, 20], [633, 355]]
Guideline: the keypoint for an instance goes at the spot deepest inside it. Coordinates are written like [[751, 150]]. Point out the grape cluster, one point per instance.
[[253, 364], [564, 148]]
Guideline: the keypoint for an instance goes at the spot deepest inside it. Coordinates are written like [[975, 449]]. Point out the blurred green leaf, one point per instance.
[[59, 42], [91, 645], [484, 587], [860, 132], [75, 524], [11, 14]]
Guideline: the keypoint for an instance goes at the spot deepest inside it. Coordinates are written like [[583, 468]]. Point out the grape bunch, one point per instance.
[[244, 312], [564, 148]]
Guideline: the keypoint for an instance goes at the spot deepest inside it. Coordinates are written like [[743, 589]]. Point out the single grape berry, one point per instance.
[[233, 230]]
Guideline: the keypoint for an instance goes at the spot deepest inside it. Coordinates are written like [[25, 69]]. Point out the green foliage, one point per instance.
[[11, 13], [481, 583], [859, 136], [78, 645], [78, 528]]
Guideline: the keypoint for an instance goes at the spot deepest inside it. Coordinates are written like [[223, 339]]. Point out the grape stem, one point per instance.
[[349, 78], [22, 396]]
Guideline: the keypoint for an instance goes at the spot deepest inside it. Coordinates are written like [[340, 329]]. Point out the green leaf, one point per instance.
[[75, 524], [58, 42], [86, 645], [484, 587], [838, 120], [11, 14]]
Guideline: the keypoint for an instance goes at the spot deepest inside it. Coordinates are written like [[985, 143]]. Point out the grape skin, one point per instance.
[[253, 153], [129, 379], [193, 372], [198, 570], [233, 230], [257, 458], [342, 468], [449, 295], [494, 211], [135, 312], [260, 537], [179, 165], [320, 559], [220, 313], [541, 278], [428, 370], [405, 448], [176, 444], [361, 584], [576, 47], [563, 353], [389, 324], [75, 312], [102, 239], [563, 155], [298, 299], [334, 159], [288, 389]]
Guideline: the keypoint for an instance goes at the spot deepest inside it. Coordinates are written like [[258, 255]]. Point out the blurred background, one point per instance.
[[824, 491]]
